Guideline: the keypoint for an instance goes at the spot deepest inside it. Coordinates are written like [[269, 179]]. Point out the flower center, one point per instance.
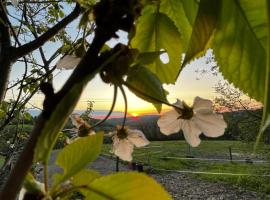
[[122, 133], [186, 112], [84, 130]]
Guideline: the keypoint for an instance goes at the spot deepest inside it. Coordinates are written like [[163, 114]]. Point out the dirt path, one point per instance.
[[180, 186]]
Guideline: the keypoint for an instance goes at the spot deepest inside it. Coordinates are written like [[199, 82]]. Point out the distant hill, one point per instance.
[[242, 125], [146, 123], [96, 113]]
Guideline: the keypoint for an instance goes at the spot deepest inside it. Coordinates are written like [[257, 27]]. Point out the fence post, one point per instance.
[[230, 152]]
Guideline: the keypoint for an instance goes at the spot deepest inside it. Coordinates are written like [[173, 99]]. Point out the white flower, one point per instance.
[[83, 128], [193, 121], [68, 62], [124, 141]]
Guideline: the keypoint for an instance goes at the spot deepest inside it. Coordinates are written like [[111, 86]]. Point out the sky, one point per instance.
[[188, 85]]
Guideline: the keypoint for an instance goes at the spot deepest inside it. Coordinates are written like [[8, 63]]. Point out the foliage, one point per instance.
[[176, 32]]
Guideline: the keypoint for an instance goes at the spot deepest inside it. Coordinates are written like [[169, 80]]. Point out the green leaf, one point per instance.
[[85, 177], [183, 14], [77, 155], [123, 186], [238, 42], [51, 130], [27, 116], [145, 84], [204, 27], [32, 186], [146, 58], [155, 31]]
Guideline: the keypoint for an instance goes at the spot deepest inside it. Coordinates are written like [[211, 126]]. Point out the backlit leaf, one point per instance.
[[157, 32], [123, 186], [183, 14], [75, 156], [237, 36], [85, 177], [145, 84]]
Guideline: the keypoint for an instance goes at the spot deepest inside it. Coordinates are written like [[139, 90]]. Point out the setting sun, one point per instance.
[[134, 114]]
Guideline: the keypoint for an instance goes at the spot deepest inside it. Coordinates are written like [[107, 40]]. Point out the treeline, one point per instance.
[[242, 125]]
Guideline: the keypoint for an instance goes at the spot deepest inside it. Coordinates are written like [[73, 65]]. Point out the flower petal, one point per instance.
[[68, 62], [137, 138], [202, 105], [122, 148], [75, 120], [212, 125], [169, 122], [191, 133]]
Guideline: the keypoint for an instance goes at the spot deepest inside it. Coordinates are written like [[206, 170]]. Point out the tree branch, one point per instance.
[[108, 22], [5, 50], [35, 44]]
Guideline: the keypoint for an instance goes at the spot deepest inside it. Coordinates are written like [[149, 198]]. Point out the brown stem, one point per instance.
[[88, 65], [110, 22]]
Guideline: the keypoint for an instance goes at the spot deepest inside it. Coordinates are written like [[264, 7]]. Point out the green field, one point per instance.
[[157, 153]]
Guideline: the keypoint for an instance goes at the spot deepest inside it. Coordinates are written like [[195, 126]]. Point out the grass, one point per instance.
[[210, 149]]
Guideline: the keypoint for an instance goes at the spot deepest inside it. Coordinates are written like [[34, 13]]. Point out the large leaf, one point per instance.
[[77, 155], [123, 186], [205, 25], [145, 84], [85, 177], [146, 58], [156, 32], [183, 14], [237, 40]]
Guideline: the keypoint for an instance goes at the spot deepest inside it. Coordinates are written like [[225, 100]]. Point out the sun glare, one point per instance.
[[134, 114]]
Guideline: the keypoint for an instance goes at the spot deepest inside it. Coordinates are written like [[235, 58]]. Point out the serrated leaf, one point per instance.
[[239, 51], [203, 31], [183, 14], [237, 43], [123, 186], [146, 58], [155, 31], [75, 156], [142, 82]]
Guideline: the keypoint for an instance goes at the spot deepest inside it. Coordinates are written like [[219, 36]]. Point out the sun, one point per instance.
[[134, 114]]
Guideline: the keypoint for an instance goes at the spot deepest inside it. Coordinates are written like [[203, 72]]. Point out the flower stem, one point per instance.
[[45, 174], [126, 105], [111, 109]]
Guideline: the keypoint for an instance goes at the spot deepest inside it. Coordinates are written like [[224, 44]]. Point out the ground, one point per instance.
[[180, 186]]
